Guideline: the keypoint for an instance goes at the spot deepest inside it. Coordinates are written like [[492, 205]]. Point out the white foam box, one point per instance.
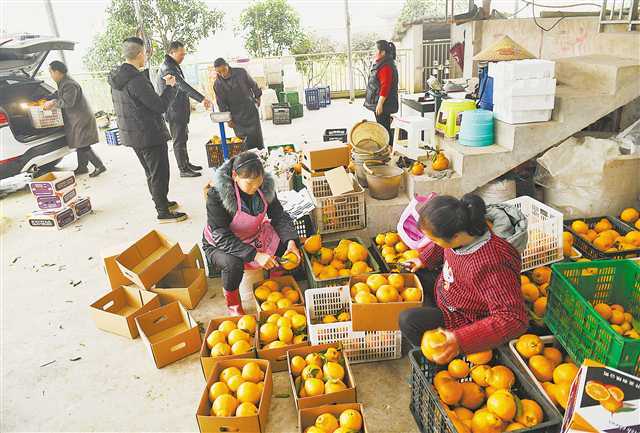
[[522, 116], [524, 103], [522, 69], [529, 87]]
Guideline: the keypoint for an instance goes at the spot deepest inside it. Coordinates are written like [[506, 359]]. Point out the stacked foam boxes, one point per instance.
[[523, 90], [57, 199]]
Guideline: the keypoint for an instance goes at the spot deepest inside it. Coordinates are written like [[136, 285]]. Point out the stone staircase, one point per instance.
[[589, 88]]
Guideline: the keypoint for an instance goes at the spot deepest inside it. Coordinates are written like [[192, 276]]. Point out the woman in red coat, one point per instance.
[[382, 88], [476, 297]]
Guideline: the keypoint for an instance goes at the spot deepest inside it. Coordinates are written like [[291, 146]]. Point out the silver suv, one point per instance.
[[23, 147]]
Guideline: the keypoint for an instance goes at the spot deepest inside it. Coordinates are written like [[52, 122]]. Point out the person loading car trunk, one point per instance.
[[472, 279], [179, 111], [79, 123], [239, 94], [246, 224], [139, 110]]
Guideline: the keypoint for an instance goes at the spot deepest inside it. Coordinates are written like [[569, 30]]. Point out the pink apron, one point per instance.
[[253, 230]]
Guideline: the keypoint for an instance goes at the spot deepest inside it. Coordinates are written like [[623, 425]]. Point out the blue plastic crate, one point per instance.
[[312, 98], [328, 95], [113, 136], [322, 96]]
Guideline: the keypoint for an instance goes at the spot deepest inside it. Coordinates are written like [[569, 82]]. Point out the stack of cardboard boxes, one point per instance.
[[57, 199], [153, 283]]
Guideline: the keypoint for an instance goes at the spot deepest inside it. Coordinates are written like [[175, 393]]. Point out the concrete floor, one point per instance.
[[49, 278]]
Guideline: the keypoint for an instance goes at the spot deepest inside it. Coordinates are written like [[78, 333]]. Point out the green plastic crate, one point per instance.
[[575, 289], [315, 283], [289, 97], [297, 111]]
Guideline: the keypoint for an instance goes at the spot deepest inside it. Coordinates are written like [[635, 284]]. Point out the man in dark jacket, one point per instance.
[[139, 114], [79, 122], [179, 110], [238, 93]]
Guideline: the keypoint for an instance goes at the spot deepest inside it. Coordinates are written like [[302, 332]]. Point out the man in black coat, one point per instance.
[[139, 112], [179, 110]]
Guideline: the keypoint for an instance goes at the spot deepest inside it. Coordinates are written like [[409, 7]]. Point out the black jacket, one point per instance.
[[138, 107], [222, 206], [373, 88], [179, 110]]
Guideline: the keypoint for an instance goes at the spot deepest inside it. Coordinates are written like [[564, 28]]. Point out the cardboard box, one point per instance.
[[285, 280], [192, 260], [206, 361], [256, 423], [54, 183], [185, 285], [149, 259], [328, 154], [169, 333], [58, 219], [345, 396], [82, 206], [278, 356], [586, 414], [114, 274], [378, 316], [55, 202], [116, 311], [307, 417]]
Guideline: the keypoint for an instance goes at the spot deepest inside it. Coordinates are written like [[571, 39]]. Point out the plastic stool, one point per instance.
[[413, 146]]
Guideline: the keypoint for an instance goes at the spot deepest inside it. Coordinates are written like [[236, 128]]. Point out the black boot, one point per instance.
[[194, 167], [171, 217], [98, 171], [173, 205], [189, 173], [78, 171]]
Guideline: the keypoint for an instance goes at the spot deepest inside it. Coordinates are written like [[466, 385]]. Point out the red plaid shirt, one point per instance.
[[479, 293]]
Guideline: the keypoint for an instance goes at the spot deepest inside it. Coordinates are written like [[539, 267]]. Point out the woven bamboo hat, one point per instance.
[[505, 49]]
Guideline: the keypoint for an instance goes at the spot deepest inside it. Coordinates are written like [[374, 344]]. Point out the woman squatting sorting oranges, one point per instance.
[[470, 273]]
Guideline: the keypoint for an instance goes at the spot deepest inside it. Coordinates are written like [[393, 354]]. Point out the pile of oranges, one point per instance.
[[283, 330], [237, 392], [319, 373], [621, 321], [535, 289], [379, 288], [349, 421], [567, 245], [604, 238], [393, 250], [631, 216], [547, 364], [478, 397], [232, 338], [272, 296], [341, 316], [346, 259]]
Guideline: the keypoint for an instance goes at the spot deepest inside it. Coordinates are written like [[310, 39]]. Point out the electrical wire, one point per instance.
[[533, 11], [532, 2]]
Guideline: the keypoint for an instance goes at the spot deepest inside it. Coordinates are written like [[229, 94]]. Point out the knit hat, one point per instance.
[[504, 49], [219, 62]]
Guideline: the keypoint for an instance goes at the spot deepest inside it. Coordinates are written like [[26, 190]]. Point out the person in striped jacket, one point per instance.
[[470, 276]]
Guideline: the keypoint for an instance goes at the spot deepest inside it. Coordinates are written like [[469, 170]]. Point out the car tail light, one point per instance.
[[4, 120]]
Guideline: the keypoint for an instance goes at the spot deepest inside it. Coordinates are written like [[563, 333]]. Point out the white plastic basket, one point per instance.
[[357, 346], [340, 213], [544, 226], [41, 118]]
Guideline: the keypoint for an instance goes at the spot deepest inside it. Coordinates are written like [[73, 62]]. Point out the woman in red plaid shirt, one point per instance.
[[476, 298]]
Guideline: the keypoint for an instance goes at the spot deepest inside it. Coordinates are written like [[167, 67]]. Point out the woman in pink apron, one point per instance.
[[246, 224]]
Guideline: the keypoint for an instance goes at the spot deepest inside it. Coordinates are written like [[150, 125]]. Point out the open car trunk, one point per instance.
[[15, 93]]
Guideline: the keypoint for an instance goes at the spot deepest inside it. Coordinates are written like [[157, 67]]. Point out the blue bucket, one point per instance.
[[476, 129]]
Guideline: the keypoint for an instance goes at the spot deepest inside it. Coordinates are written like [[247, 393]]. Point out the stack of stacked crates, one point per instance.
[[523, 90], [293, 99], [57, 199]]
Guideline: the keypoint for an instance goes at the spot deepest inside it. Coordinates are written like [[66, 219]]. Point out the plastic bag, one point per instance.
[[408, 224]]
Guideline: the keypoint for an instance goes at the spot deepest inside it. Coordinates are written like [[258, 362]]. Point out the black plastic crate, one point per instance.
[[335, 134], [281, 114], [324, 97], [304, 226], [591, 252], [385, 267], [430, 415], [312, 98], [215, 156]]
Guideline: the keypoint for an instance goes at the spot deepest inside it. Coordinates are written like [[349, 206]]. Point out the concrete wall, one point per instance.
[[571, 37]]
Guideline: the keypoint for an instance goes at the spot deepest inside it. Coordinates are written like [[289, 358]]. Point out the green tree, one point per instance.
[[363, 45], [315, 55], [413, 10], [188, 21], [269, 28]]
